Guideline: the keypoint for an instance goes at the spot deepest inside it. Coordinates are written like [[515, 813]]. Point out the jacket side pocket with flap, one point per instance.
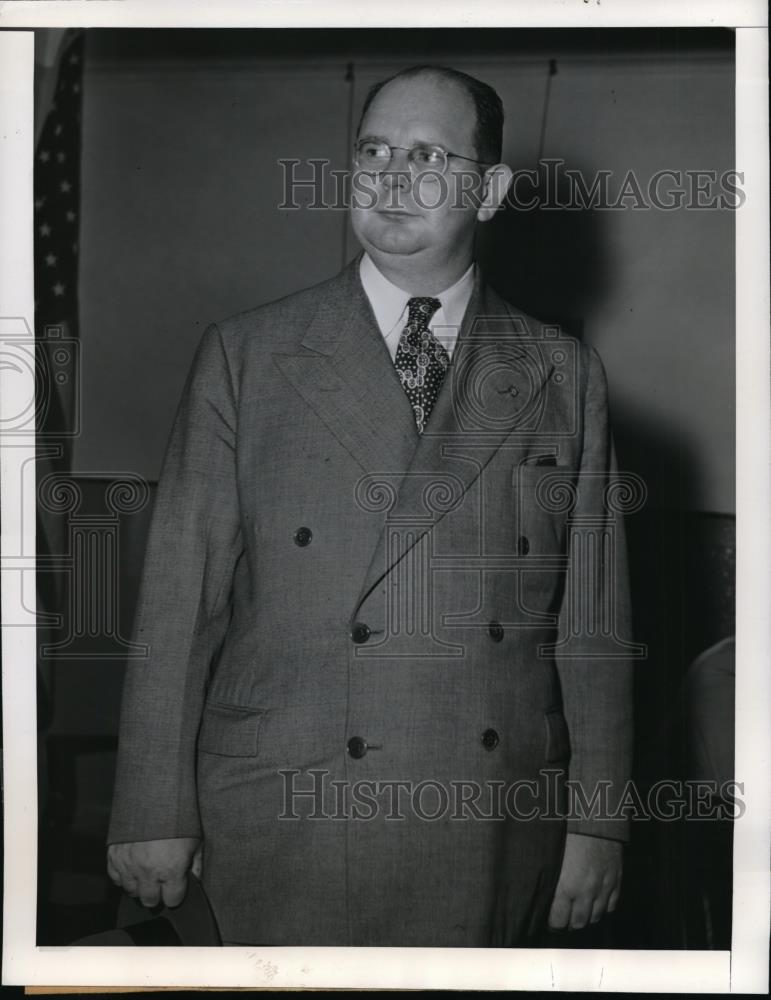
[[230, 730]]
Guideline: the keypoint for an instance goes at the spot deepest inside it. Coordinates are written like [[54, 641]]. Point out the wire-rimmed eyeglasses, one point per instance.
[[375, 155]]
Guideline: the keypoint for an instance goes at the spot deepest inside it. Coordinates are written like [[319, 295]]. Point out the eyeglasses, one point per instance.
[[376, 154]]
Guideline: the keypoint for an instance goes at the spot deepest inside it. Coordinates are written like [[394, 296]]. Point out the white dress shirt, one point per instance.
[[389, 305]]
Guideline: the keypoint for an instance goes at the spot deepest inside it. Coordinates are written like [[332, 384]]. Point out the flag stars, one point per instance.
[[45, 230], [50, 259], [58, 130], [74, 60], [61, 157], [58, 289], [76, 88], [65, 187], [39, 202], [44, 156], [70, 216]]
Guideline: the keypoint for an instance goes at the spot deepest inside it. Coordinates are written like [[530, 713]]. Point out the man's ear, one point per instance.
[[494, 187]]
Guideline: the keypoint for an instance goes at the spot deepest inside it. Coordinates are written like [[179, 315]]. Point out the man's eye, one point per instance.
[[375, 151], [428, 156]]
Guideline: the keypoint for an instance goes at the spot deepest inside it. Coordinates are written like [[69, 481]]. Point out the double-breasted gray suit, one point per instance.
[[359, 638]]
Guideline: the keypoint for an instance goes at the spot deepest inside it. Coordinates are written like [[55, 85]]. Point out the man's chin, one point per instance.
[[389, 232], [392, 240]]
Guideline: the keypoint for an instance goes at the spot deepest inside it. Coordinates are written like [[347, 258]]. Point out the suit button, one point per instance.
[[357, 747], [496, 631], [360, 632], [523, 545], [302, 537], [490, 739]]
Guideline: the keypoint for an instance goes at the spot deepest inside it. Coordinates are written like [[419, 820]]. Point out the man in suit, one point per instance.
[[361, 586]]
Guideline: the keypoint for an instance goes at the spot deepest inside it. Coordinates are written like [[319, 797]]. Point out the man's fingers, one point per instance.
[[197, 867], [113, 872], [130, 885], [153, 870], [601, 903], [173, 891], [149, 892], [559, 914], [599, 908], [579, 913], [613, 900]]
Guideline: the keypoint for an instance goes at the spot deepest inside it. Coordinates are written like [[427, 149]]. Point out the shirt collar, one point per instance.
[[389, 302]]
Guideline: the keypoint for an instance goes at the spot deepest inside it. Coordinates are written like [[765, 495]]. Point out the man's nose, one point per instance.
[[398, 171]]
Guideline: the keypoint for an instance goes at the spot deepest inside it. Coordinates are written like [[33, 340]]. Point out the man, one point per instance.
[[356, 595]]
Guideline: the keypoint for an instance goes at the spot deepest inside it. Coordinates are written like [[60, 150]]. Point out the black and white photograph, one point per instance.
[[385, 492]]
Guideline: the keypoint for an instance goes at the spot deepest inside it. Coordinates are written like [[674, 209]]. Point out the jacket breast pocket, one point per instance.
[[544, 495], [230, 730], [557, 738]]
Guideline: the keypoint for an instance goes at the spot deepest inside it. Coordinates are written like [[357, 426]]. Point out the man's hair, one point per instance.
[[488, 132]]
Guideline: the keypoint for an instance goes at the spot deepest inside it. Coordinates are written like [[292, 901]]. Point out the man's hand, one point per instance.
[[155, 870], [589, 883]]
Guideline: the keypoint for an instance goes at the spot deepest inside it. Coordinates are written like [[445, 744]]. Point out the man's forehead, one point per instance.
[[424, 108]]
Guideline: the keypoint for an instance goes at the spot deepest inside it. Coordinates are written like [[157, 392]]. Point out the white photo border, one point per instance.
[[745, 968]]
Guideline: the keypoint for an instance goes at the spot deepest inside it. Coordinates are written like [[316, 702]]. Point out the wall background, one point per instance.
[[180, 226]]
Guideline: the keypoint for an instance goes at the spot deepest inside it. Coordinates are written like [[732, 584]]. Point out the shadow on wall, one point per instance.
[[553, 264], [548, 261]]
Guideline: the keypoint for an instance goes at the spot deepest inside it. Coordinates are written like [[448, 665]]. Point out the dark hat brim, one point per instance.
[[191, 924]]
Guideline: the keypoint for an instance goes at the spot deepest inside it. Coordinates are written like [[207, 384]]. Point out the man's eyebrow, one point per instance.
[[416, 142]]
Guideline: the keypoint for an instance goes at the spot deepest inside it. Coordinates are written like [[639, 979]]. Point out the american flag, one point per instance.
[[56, 221], [57, 216]]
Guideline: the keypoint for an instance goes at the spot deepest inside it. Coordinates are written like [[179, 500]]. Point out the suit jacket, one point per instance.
[[375, 657]]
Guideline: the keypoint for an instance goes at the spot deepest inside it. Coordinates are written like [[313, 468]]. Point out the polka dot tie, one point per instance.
[[421, 361]]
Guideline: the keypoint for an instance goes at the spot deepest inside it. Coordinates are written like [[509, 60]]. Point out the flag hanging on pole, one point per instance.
[[57, 218]]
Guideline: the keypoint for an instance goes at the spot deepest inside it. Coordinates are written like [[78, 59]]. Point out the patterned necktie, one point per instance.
[[421, 361]]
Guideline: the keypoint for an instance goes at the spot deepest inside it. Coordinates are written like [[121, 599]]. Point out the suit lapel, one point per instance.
[[346, 375], [493, 388]]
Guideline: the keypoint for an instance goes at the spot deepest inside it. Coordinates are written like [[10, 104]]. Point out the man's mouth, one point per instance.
[[395, 213]]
